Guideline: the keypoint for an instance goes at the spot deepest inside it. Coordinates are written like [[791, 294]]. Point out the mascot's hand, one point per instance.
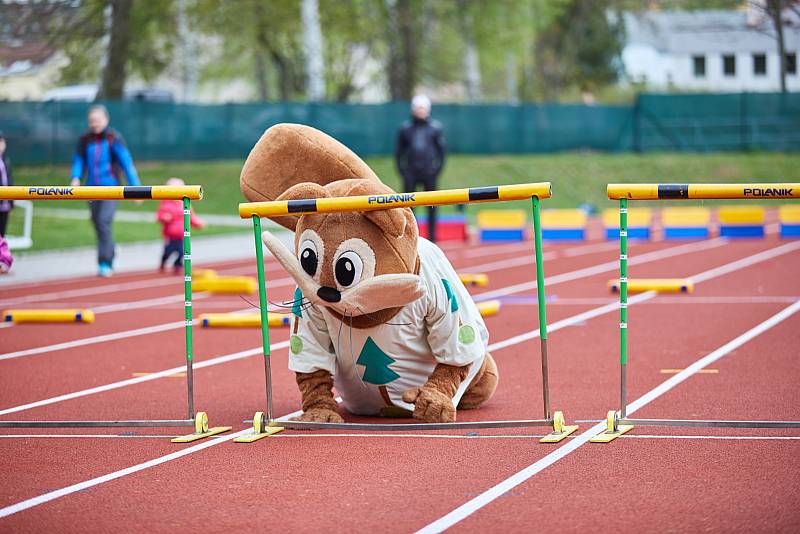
[[320, 415], [431, 405]]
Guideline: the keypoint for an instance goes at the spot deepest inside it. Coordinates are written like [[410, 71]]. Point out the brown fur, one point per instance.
[[319, 405], [292, 161]]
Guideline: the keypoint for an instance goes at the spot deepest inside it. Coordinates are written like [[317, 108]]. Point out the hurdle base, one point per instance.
[[202, 435], [399, 427], [560, 430], [97, 424], [613, 429], [711, 423], [255, 436]]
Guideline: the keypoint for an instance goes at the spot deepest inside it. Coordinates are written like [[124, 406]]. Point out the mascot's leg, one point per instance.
[[482, 387], [319, 405]]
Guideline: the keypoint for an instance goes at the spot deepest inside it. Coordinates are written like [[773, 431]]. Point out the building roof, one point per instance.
[[24, 58], [686, 32]]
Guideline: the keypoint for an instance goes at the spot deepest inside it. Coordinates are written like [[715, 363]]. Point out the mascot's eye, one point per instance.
[[309, 259], [348, 269]]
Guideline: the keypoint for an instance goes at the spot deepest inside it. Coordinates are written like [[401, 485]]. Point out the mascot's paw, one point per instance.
[[320, 415], [431, 405]]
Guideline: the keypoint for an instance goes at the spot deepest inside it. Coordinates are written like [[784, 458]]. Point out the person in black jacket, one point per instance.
[[420, 153], [5, 179]]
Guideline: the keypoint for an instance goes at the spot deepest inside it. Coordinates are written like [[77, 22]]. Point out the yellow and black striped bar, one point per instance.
[[471, 195], [703, 191], [128, 192]]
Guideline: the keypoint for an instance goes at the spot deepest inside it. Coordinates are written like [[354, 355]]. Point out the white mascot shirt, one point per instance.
[[373, 367]]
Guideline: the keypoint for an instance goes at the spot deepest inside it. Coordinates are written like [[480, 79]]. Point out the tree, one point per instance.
[[376, 363], [312, 48], [114, 72], [579, 47], [775, 11], [402, 34]]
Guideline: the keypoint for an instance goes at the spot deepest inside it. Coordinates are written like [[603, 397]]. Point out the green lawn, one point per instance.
[[50, 233], [577, 178]]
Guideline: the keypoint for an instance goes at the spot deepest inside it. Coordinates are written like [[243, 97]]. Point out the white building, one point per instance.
[[721, 51]]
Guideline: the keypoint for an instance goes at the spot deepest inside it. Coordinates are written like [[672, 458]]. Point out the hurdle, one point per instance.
[[263, 422], [617, 421], [198, 420]]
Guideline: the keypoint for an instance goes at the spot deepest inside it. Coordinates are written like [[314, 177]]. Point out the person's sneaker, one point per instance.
[[104, 270]]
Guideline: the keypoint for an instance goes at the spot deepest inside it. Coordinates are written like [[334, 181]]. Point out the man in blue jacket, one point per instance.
[[100, 155]]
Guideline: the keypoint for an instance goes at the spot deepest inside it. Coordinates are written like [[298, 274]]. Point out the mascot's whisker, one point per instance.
[[377, 319]]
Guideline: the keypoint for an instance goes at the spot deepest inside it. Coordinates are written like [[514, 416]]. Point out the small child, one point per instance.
[[6, 259], [170, 215]]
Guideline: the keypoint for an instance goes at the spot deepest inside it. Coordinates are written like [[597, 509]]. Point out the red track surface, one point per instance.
[[680, 481]]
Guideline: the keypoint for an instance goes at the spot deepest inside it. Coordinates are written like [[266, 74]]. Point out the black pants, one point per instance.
[[173, 246], [410, 183], [3, 222]]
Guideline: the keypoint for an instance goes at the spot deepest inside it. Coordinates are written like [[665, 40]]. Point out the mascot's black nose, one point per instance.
[[329, 294]]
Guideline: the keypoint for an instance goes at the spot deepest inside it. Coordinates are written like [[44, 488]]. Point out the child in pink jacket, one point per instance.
[[170, 215], [6, 259]]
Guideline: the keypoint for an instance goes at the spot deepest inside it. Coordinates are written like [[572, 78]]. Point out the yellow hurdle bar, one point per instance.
[[127, 192], [48, 316], [702, 191], [395, 200]]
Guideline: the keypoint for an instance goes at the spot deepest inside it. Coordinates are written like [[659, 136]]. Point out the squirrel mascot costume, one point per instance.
[[379, 311]]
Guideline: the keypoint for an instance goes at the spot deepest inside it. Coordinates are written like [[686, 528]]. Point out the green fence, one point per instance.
[[47, 132]]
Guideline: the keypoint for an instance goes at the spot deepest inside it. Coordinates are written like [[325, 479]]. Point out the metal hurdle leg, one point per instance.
[[200, 419], [560, 429], [613, 427], [262, 422]]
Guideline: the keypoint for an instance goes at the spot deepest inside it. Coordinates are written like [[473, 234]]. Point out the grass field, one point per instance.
[[577, 178]]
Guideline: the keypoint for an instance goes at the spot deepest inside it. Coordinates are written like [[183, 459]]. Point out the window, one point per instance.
[[791, 63], [699, 64], [729, 65], [760, 64]]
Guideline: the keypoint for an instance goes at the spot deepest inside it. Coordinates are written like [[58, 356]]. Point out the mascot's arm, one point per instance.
[[454, 344], [433, 402], [312, 358], [317, 392]]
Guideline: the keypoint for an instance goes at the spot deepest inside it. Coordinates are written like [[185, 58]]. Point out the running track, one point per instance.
[[653, 478]]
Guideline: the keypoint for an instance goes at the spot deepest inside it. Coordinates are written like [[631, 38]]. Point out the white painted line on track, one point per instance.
[[556, 279], [485, 498], [52, 495], [139, 379], [603, 268], [99, 436], [441, 524], [569, 321]]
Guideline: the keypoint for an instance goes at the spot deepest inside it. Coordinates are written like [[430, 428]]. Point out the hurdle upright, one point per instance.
[[264, 424], [617, 421], [185, 194]]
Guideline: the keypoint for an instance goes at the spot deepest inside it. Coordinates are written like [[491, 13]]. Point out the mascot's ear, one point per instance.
[[290, 154], [392, 222], [298, 192]]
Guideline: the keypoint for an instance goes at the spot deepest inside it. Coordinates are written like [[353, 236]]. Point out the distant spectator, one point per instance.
[[5, 179], [100, 155], [420, 153], [170, 215], [6, 259]]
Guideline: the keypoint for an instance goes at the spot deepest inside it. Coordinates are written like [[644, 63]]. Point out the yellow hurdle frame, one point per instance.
[[617, 422], [186, 194], [263, 423]]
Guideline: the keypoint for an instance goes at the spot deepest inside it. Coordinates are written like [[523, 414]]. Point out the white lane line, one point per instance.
[[603, 268], [139, 379], [591, 249], [52, 495], [106, 288], [559, 278], [99, 436], [448, 520], [413, 436], [473, 505], [733, 266], [686, 299], [569, 321]]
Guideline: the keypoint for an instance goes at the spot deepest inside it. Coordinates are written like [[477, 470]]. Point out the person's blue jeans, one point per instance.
[[103, 220]]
